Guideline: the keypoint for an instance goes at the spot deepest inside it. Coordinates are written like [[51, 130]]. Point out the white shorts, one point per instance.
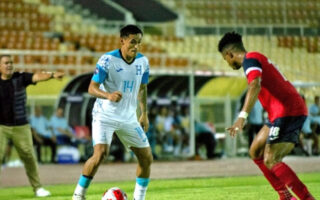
[[130, 134]]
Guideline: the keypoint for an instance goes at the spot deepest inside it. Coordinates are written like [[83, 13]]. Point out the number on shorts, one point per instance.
[[274, 133]]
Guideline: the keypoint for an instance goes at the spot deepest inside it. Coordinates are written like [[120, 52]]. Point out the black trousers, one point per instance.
[[206, 138], [46, 142]]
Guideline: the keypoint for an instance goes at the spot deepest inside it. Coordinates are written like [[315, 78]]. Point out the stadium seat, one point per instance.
[[82, 132]]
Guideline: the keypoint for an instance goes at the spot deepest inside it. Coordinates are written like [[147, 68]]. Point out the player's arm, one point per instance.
[[94, 90], [144, 121], [254, 88], [44, 76], [143, 98]]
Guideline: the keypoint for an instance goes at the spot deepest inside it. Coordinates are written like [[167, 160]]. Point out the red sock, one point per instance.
[[273, 180], [285, 174]]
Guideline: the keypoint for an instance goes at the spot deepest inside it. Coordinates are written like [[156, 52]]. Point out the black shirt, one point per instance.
[[13, 99]]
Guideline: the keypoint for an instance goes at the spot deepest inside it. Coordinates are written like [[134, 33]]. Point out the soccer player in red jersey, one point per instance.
[[286, 112]]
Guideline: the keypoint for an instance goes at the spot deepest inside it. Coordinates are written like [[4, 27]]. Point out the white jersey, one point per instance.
[[114, 74]]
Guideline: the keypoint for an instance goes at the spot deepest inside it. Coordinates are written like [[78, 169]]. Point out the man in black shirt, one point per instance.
[[13, 116]]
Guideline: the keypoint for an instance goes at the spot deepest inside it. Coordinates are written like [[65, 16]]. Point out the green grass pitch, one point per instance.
[[240, 188]]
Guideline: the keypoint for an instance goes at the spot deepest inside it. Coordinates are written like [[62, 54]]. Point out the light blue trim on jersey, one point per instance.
[[99, 75], [143, 181], [145, 77], [115, 53], [84, 181], [139, 55]]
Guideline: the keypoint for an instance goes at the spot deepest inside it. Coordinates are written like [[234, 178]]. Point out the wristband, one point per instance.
[[243, 115]]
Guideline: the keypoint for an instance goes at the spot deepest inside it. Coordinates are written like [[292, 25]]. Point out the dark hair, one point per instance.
[[130, 29], [231, 38], [4, 55]]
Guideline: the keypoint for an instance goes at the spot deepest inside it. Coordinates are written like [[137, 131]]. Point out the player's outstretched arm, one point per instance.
[[251, 97], [44, 76], [94, 90], [144, 121]]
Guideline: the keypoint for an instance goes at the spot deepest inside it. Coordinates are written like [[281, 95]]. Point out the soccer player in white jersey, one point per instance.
[[120, 80]]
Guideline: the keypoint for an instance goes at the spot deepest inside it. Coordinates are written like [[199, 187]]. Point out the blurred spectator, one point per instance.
[[205, 135], [172, 140], [314, 108], [314, 113], [306, 138], [152, 132], [169, 131], [185, 125], [42, 134], [163, 127], [61, 129], [255, 122], [84, 138], [160, 121]]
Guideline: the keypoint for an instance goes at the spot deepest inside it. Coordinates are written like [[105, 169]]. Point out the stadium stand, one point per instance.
[[59, 38], [101, 9], [249, 12], [148, 10]]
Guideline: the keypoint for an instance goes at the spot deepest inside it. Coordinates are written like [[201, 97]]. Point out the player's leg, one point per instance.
[[284, 134], [133, 136], [256, 152], [100, 151], [274, 153], [144, 156], [102, 136]]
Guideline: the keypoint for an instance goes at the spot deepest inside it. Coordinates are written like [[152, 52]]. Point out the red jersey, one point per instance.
[[277, 95]]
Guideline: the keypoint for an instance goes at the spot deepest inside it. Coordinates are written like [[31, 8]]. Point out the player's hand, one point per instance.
[[115, 96], [58, 75], [144, 121], [236, 127]]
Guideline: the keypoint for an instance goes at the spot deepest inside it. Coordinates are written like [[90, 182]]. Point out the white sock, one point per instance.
[[141, 188], [80, 190], [139, 192]]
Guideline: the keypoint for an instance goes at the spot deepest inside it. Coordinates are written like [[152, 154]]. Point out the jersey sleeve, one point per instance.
[[145, 76], [27, 78], [102, 68], [252, 68]]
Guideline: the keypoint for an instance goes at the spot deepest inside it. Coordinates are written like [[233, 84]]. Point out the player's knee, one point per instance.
[[269, 162], [254, 154], [147, 160]]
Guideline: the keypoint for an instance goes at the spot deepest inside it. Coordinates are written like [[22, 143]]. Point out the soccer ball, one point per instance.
[[114, 193]]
